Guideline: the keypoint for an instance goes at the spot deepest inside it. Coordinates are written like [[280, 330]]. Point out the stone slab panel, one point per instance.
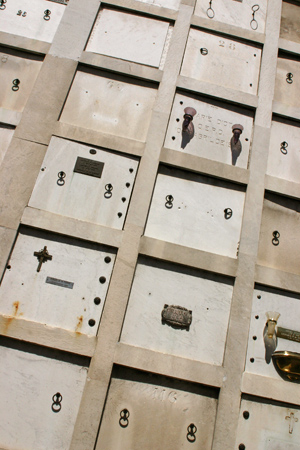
[[269, 426], [110, 104], [207, 296], [290, 22], [130, 37], [18, 75], [171, 4], [280, 214], [287, 82], [284, 151], [196, 215], [68, 292], [6, 134], [212, 131], [28, 18], [155, 403], [219, 60], [28, 383], [78, 193], [260, 347], [238, 13]]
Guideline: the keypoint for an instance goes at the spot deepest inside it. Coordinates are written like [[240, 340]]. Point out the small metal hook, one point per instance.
[[108, 192], [254, 23], [203, 51], [276, 236], [283, 148], [47, 13], [289, 78], [15, 86], [61, 175], [123, 421], [169, 202], [56, 405], [2, 5], [210, 12], [228, 213], [192, 430]]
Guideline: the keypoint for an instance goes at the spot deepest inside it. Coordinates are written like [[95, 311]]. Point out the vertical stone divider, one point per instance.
[[94, 395], [25, 154], [237, 338]]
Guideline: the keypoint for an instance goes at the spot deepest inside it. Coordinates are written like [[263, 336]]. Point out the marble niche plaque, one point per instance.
[[130, 37], [65, 288], [237, 13], [290, 22], [222, 61], [33, 19], [260, 347], [280, 234], [18, 75], [287, 81], [40, 394], [6, 134], [196, 211], [206, 297], [212, 134], [138, 403], [268, 426], [94, 185], [110, 104], [284, 151]]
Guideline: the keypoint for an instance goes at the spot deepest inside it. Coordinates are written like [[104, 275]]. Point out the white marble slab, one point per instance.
[[269, 427], [156, 403], [171, 4], [26, 18], [6, 135], [28, 382], [23, 69], [196, 218], [288, 305], [284, 152], [208, 297], [283, 215], [234, 12], [130, 37], [80, 195], [212, 131], [287, 87], [219, 60], [63, 293], [110, 105]]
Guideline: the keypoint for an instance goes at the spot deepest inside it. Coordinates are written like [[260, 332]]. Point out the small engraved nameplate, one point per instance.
[[290, 335], [89, 167], [61, 283], [176, 316]]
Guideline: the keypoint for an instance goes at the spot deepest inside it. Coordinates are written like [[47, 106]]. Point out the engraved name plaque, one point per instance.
[[89, 167], [176, 316], [61, 283]]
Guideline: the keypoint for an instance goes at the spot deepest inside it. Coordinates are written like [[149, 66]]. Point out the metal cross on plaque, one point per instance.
[[42, 257]]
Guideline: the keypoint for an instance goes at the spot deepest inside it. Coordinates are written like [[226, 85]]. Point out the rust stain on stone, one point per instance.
[[9, 319], [79, 325]]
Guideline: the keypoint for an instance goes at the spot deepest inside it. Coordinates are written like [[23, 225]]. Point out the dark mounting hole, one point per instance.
[[254, 338], [8, 267], [242, 447], [131, 170], [181, 103], [259, 297], [177, 120], [256, 317], [42, 169], [246, 415], [120, 214], [92, 322], [251, 84], [252, 360], [123, 199], [254, 54], [97, 300], [173, 138], [93, 152], [247, 139], [107, 259], [102, 280], [127, 185]]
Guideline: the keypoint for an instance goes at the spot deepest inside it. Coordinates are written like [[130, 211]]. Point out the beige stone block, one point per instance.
[[7, 238], [290, 22]]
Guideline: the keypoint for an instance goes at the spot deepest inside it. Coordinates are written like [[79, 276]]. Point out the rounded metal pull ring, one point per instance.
[[276, 236], [192, 430], [123, 421], [56, 405], [61, 175], [169, 202]]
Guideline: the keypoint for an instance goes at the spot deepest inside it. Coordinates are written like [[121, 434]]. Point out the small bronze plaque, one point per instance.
[[176, 316], [89, 167], [290, 335]]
